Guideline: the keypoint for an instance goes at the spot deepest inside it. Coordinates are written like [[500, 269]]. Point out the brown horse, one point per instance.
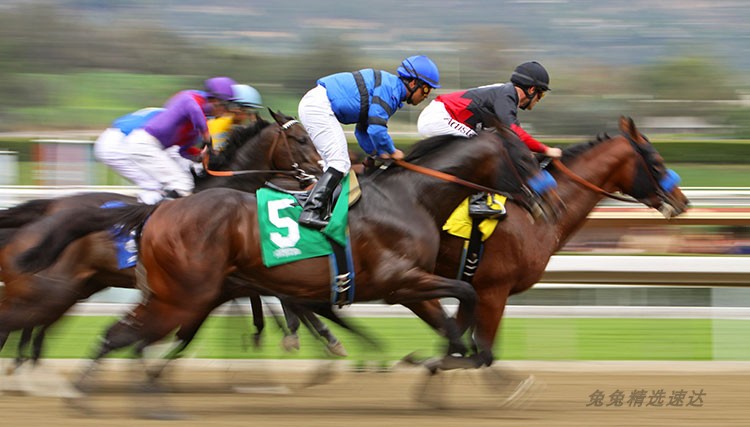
[[515, 256], [90, 265], [393, 230]]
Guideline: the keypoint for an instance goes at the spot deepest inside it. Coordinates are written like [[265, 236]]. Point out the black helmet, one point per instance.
[[530, 74]]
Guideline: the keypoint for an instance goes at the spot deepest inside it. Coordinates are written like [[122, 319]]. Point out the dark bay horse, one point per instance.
[[90, 265], [394, 233], [516, 254]]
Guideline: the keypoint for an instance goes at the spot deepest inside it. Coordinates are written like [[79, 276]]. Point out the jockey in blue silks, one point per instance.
[[368, 98]]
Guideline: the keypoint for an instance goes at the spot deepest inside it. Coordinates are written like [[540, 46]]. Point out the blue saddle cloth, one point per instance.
[[127, 249]]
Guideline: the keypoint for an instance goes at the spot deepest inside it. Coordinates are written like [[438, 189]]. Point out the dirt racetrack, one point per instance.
[[274, 394]]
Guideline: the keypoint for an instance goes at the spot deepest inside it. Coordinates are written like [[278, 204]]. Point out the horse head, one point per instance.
[[627, 163], [294, 150], [651, 182], [280, 151]]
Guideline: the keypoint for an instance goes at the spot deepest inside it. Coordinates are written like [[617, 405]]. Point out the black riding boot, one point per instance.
[[316, 211], [479, 207]]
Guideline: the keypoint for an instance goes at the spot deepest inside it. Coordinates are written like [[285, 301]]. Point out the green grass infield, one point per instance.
[[521, 339]]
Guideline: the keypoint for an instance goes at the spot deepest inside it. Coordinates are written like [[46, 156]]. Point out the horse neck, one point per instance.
[[254, 154], [600, 166]]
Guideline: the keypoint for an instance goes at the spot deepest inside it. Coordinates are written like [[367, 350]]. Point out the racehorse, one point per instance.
[[393, 231], [91, 265], [515, 256]]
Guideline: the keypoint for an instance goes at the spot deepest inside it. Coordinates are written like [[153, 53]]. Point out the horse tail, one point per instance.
[[24, 213], [67, 226]]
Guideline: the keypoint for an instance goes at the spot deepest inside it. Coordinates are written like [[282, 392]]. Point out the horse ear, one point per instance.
[[627, 126], [275, 115]]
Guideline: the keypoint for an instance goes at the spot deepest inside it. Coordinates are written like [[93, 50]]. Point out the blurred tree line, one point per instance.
[[587, 97]]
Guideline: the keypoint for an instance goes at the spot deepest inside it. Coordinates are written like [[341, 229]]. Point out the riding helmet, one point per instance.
[[422, 68], [531, 74], [220, 87], [246, 96]]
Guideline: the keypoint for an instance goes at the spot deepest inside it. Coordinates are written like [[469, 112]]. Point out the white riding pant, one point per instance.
[[142, 159], [435, 120], [326, 132]]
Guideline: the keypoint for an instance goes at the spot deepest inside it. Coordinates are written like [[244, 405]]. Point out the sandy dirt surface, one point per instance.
[[276, 394]]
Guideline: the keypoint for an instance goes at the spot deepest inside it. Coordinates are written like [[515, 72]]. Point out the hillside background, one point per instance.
[[677, 66]]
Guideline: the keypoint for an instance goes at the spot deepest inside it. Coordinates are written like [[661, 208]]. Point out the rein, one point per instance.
[[586, 184], [207, 154], [449, 178], [582, 182]]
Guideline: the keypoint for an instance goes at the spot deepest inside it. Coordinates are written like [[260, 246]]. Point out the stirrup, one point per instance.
[[310, 219], [479, 208]]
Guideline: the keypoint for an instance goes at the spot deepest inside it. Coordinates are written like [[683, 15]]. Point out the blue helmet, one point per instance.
[[246, 96], [220, 87], [422, 68]]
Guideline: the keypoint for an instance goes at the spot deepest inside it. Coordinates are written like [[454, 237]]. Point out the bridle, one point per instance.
[[296, 171], [646, 165]]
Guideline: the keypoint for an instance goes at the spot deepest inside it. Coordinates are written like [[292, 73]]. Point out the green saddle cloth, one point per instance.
[[283, 240]]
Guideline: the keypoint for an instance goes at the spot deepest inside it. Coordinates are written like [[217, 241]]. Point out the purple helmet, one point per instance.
[[220, 87]]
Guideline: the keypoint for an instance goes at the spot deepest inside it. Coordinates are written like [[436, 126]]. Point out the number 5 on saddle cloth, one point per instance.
[[283, 240]]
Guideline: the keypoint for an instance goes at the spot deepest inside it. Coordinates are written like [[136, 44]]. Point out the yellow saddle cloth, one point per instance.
[[459, 223]]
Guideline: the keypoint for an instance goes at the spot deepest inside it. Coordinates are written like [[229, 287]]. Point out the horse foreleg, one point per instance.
[[431, 287], [489, 313], [333, 345]]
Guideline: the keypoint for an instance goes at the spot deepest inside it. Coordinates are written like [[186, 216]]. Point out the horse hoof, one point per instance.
[[290, 343], [337, 349], [412, 359], [433, 365], [450, 362]]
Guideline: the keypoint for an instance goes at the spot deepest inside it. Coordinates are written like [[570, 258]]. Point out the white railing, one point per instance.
[[718, 197]]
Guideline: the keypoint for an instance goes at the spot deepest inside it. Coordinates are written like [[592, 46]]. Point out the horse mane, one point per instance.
[[431, 145], [238, 136], [577, 149]]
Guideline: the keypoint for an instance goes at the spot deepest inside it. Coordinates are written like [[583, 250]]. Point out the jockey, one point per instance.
[[465, 112], [368, 98], [242, 110], [109, 148], [151, 164]]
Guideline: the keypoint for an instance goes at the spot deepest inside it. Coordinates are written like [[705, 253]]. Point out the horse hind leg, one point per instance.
[[38, 343], [185, 335], [256, 306], [431, 287], [23, 343]]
